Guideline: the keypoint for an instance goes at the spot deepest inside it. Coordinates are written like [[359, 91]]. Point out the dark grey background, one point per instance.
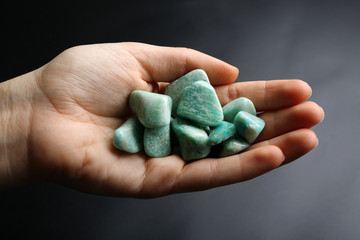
[[316, 197]]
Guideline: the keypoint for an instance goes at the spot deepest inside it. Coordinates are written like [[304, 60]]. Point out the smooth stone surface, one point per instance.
[[193, 140], [222, 132], [199, 103], [129, 136], [233, 146], [240, 104], [152, 109], [175, 88], [157, 141], [248, 126]]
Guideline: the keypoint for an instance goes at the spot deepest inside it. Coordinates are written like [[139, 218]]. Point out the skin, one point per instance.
[[57, 122]]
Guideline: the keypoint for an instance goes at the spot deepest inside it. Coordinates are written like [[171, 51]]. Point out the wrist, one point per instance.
[[16, 97]]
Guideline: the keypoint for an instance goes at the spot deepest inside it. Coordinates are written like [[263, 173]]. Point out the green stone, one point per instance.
[[222, 132], [129, 136], [193, 140], [157, 141], [240, 104], [199, 103], [175, 88], [152, 109], [248, 126], [232, 146]]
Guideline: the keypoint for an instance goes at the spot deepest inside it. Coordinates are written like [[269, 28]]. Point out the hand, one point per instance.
[[81, 97]]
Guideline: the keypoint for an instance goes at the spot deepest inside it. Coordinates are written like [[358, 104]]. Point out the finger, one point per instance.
[[266, 95], [278, 122], [209, 173], [166, 64], [293, 144]]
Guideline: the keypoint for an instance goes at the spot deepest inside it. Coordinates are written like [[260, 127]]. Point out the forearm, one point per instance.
[[15, 126]]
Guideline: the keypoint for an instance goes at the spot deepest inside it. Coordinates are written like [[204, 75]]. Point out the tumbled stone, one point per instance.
[[240, 104], [157, 141], [199, 103], [232, 146], [152, 109], [129, 136], [248, 126], [175, 88], [222, 132], [193, 140]]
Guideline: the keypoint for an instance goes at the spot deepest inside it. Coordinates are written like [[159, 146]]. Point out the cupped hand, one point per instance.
[[83, 97]]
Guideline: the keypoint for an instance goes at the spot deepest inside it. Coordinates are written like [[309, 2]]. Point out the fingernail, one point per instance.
[[323, 115]]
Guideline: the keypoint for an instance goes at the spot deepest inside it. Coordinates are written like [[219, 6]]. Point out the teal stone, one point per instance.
[[233, 145], [193, 140], [129, 136], [248, 126], [240, 104], [199, 103], [157, 141], [152, 109], [222, 132], [175, 88]]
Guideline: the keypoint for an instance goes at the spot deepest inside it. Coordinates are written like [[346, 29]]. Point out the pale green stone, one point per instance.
[[129, 136], [248, 126], [232, 146], [175, 88], [193, 140], [222, 132], [199, 103], [240, 104], [157, 141], [152, 109]]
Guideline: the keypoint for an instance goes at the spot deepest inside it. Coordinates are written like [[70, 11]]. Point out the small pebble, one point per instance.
[[248, 126], [222, 132], [240, 104], [157, 141], [233, 145], [129, 136], [199, 103], [152, 109]]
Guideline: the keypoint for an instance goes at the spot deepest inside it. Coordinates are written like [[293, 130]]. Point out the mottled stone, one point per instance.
[[129, 136], [240, 104], [175, 88], [152, 109], [232, 146], [193, 140], [157, 141], [222, 132], [248, 126], [199, 103]]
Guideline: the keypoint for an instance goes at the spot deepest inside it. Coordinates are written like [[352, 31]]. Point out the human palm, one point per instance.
[[83, 97]]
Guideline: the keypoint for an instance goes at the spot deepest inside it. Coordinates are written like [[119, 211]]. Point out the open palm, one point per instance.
[[83, 97]]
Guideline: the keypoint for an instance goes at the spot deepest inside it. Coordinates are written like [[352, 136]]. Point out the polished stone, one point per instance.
[[222, 132], [193, 140], [232, 146], [175, 88], [248, 126], [157, 141], [240, 104], [129, 136], [152, 109], [199, 103]]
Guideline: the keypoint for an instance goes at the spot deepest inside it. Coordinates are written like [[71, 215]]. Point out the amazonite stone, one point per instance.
[[129, 136], [152, 109], [199, 103], [175, 88], [193, 140], [233, 145], [248, 126], [240, 104], [222, 132], [157, 141]]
